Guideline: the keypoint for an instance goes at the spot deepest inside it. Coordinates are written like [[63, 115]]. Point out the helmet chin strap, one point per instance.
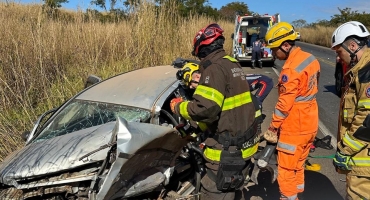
[[354, 59], [286, 52]]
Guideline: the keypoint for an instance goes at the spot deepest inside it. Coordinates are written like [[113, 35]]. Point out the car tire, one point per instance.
[[338, 79]]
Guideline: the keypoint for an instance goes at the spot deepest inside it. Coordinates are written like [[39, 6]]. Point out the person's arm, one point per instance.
[[288, 90], [208, 97], [350, 145]]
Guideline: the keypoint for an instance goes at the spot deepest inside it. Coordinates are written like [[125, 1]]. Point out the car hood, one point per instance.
[[57, 154]]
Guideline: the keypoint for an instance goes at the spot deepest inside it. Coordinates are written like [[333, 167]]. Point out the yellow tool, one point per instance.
[[312, 167]]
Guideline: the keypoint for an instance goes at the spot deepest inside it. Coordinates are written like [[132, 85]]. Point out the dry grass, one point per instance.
[[43, 62], [319, 35]]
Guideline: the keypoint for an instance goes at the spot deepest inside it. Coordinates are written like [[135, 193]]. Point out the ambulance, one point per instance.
[[249, 28]]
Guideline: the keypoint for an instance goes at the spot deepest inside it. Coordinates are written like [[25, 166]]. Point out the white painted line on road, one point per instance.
[[276, 71], [325, 131]]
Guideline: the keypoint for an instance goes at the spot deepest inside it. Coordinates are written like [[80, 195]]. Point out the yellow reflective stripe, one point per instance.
[[353, 144], [212, 154], [360, 161], [215, 154], [210, 94], [231, 58], [364, 103], [184, 110], [258, 113], [345, 113], [202, 126], [236, 101], [250, 151]]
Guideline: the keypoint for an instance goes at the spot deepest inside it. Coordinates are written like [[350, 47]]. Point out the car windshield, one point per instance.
[[81, 114]]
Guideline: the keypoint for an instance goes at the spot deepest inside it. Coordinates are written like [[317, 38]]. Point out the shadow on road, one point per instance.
[[317, 187], [330, 88]]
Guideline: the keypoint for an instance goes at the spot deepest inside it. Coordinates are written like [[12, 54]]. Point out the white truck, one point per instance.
[[247, 29]]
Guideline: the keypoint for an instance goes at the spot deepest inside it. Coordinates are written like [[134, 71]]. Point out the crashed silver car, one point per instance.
[[113, 140]]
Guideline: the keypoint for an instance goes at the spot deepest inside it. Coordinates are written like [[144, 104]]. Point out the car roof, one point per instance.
[[139, 88]]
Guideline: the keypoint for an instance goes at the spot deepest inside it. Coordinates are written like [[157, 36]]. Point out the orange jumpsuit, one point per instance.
[[296, 116]]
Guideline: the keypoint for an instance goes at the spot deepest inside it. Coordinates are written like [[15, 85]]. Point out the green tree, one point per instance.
[[54, 4], [229, 10], [299, 23], [103, 4], [347, 14]]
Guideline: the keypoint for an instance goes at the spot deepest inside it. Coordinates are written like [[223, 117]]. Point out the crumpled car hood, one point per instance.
[[57, 154]]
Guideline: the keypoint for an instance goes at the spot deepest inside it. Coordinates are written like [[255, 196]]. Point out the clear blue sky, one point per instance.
[[290, 10]]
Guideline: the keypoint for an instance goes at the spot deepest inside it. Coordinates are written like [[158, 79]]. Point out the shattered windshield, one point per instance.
[[80, 114]]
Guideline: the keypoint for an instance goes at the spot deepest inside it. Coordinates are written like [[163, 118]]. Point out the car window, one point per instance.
[[80, 114]]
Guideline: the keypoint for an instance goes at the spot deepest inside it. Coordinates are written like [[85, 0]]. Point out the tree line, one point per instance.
[[114, 10], [121, 9], [345, 15]]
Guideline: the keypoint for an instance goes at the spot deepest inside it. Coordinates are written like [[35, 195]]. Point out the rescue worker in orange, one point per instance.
[[295, 119], [222, 100], [352, 157]]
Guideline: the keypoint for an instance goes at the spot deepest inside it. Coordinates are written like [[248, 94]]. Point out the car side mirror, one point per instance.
[[232, 36], [25, 135], [91, 80]]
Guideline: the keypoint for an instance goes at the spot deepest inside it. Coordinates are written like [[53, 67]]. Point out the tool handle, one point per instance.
[[266, 154]]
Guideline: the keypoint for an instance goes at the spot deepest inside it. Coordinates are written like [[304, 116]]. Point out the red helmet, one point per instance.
[[206, 36]]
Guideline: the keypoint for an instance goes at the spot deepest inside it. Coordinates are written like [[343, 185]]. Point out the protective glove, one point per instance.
[[271, 135], [174, 102], [341, 161]]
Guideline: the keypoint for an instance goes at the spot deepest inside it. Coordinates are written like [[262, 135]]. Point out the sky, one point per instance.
[[290, 10]]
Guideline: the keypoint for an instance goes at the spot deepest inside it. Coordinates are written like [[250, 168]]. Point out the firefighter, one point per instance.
[[352, 157], [257, 49], [295, 119], [189, 77], [222, 101]]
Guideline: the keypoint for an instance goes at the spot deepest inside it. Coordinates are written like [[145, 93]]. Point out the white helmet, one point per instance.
[[347, 29]]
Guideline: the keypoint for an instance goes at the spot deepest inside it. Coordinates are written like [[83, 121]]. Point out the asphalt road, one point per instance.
[[325, 184]]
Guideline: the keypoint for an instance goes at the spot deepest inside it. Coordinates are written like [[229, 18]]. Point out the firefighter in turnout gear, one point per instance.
[[222, 101], [353, 154], [295, 119]]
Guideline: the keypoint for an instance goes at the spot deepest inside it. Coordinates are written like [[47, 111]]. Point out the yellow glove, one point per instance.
[[271, 135]]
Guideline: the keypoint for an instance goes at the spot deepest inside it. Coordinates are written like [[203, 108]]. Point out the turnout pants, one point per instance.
[[292, 153], [358, 187], [209, 190]]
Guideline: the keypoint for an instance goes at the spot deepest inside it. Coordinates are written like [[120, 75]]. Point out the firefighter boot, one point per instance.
[[260, 62], [253, 65]]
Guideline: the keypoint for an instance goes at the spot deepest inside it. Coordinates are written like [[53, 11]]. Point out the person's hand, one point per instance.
[[174, 102], [341, 161], [271, 135]]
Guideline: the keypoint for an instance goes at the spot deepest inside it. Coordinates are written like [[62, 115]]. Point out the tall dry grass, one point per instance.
[[43, 62], [319, 35]]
